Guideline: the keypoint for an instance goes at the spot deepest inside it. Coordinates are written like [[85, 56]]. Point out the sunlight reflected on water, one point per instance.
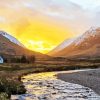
[[45, 86]]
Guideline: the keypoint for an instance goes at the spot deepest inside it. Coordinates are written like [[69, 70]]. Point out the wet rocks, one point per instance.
[[45, 86]]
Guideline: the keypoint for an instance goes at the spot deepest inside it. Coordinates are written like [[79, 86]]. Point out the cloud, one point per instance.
[[50, 21], [87, 4], [71, 12]]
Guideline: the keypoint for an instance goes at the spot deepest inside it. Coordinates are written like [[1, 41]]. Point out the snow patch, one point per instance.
[[11, 38], [90, 33]]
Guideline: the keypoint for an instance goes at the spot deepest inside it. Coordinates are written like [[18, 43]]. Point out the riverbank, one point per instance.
[[89, 78], [46, 86], [10, 74]]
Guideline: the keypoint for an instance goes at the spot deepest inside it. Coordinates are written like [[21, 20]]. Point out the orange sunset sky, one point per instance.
[[43, 24]]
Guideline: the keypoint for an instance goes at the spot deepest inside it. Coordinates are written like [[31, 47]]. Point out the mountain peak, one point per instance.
[[10, 46], [92, 32], [11, 38], [87, 44]]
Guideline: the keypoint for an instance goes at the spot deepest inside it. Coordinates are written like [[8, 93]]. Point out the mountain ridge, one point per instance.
[[88, 44], [11, 46], [11, 38]]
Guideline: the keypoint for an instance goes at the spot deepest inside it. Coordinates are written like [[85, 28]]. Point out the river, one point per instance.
[[46, 86]]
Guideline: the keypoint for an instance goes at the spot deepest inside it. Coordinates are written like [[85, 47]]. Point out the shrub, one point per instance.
[[4, 96], [23, 59], [11, 86]]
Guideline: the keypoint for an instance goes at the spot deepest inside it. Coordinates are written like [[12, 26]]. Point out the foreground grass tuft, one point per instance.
[[4, 96], [9, 87]]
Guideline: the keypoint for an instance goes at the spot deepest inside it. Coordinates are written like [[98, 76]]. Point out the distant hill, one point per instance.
[[86, 45], [9, 45]]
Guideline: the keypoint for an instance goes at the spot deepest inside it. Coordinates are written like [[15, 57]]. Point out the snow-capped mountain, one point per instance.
[[92, 32], [11, 38], [87, 44], [11, 46]]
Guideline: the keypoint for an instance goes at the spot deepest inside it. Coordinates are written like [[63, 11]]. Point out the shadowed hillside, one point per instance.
[[10, 48]]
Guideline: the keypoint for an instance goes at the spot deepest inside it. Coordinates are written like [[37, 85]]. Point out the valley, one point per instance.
[[10, 74], [17, 61]]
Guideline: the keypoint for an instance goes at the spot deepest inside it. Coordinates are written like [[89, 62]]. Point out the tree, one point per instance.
[[23, 59]]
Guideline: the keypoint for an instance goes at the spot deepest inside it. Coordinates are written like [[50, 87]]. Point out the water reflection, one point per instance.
[[45, 86]]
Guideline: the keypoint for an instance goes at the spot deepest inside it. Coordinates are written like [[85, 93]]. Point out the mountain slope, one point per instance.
[[11, 38], [61, 46], [11, 46], [87, 44]]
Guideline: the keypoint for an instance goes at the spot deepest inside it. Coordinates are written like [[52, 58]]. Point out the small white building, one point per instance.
[[1, 60]]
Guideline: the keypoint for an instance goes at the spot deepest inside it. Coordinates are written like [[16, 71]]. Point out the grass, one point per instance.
[[4, 96], [10, 74]]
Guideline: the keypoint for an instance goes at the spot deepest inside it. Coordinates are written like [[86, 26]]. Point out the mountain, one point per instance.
[[61, 46], [11, 38], [11, 46], [88, 44]]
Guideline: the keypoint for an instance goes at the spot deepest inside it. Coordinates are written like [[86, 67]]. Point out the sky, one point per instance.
[[43, 24]]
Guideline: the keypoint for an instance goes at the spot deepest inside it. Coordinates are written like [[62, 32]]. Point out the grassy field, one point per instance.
[[10, 74]]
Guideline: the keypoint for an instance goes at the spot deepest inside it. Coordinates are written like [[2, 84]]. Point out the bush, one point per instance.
[[11, 87], [4, 96], [23, 59]]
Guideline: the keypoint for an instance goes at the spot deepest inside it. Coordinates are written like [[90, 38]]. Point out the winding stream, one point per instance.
[[45, 86]]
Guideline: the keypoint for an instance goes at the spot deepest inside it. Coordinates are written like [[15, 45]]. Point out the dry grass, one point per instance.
[[10, 74]]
